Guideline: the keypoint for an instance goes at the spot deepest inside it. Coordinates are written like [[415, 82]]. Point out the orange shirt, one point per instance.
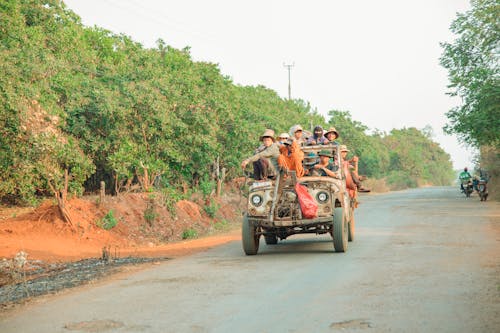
[[292, 161]]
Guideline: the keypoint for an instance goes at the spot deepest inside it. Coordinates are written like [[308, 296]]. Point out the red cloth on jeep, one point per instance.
[[308, 206]]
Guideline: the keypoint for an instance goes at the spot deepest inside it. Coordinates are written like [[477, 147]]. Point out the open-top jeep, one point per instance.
[[273, 208]]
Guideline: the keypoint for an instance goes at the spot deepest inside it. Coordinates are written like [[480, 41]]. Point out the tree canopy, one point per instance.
[[81, 105], [472, 61]]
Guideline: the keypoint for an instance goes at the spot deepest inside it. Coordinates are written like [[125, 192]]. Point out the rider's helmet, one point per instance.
[[465, 169]]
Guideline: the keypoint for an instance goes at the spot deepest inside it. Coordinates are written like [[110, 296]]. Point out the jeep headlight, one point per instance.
[[322, 197], [256, 200]]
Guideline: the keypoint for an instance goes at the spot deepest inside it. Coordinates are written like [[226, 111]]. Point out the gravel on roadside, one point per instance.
[[39, 278]]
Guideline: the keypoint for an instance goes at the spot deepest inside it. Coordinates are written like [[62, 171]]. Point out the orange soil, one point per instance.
[[44, 236]]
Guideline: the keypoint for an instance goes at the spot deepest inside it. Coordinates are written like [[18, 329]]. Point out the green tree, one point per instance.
[[472, 61]]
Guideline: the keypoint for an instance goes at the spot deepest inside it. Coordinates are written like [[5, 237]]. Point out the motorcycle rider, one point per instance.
[[480, 174], [464, 177]]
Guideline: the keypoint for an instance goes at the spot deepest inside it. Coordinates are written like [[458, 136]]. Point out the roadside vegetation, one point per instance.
[[473, 65], [80, 106]]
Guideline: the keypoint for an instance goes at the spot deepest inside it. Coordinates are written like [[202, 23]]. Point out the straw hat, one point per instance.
[[343, 148], [295, 128], [332, 130], [283, 136], [267, 133]]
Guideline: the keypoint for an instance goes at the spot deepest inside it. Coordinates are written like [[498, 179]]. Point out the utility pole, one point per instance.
[[289, 67]]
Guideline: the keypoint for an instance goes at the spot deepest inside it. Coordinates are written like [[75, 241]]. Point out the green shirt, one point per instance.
[[464, 176]]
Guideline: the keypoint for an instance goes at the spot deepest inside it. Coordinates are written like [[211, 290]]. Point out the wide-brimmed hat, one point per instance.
[[332, 130], [267, 133], [343, 148], [295, 128], [283, 136], [325, 152]]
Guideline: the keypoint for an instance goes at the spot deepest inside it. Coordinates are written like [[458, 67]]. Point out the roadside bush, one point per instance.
[[170, 197], [150, 215], [108, 221], [206, 187], [189, 234], [399, 180], [376, 185], [211, 209], [221, 225]]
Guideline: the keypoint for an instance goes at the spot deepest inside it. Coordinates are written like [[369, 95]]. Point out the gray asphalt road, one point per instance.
[[424, 260]]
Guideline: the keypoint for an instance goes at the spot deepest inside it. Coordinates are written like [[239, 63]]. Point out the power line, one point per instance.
[[158, 18], [289, 67]]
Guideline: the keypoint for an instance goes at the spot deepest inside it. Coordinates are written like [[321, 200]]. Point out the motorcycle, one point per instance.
[[482, 189], [467, 188]]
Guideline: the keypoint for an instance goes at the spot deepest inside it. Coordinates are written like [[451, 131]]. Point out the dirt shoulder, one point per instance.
[[144, 227], [41, 254]]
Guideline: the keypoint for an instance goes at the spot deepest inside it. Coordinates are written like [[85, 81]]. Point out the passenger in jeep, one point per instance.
[[291, 157], [352, 174], [297, 134], [317, 138], [265, 159], [325, 167], [331, 135]]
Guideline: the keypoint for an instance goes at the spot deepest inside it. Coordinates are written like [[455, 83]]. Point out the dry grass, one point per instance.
[[376, 185]]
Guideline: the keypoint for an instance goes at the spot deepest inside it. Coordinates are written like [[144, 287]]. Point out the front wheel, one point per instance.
[[340, 230], [352, 226], [249, 237]]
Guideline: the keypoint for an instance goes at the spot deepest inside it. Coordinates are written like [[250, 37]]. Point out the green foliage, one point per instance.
[[211, 209], [221, 225], [399, 180], [150, 215], [472, 61], [206, 187], [170, 197], [108, 221], [103, 108], [189, 234], [407, 157]]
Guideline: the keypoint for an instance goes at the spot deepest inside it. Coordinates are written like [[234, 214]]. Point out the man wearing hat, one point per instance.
[[265, 160], [296, 132], [324, 167], [331, 135], [282, 138], [291, 157], [350, 173]]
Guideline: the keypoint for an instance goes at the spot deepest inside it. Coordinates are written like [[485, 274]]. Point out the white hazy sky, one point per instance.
[[377, 59]]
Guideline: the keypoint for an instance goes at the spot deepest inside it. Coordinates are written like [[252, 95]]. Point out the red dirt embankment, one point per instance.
[[43, 235]]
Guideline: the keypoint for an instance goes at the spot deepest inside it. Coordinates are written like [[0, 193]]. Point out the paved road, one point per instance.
[[424, 260]]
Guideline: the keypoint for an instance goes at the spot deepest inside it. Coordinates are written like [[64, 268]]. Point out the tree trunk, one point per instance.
[[61, 199]]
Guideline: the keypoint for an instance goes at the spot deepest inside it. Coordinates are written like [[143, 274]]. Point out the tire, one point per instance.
[[352, 227], [271, 239], [249, 238], [340, 230]]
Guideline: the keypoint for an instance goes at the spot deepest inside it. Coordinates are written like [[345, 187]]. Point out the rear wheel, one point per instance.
[[249, 237], [340, 230]]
